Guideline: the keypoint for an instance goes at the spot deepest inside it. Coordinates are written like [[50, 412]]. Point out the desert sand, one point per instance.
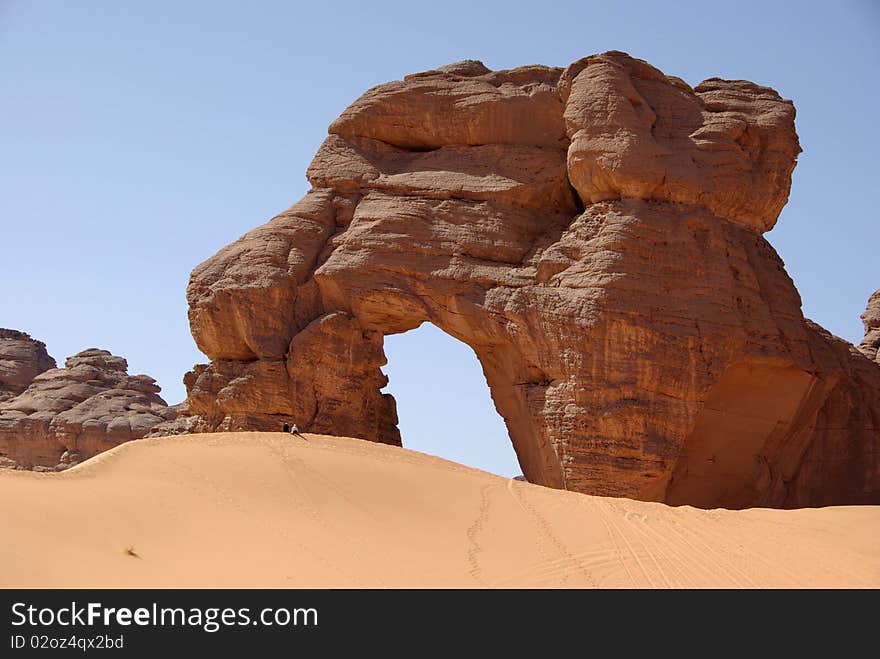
[[272, 510]]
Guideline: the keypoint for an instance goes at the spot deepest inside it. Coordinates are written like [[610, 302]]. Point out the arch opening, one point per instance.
[[444, 405]]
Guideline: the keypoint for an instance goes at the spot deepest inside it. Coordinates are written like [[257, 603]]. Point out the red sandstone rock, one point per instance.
[[68, 414], [594, 234], [728, 146]]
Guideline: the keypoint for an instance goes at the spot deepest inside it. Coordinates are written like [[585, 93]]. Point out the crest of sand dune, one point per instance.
[[269, 509]]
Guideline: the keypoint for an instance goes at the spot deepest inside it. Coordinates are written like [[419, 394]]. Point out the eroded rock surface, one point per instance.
[[871, 318], [595, 235], [66, 415], [21, 360]]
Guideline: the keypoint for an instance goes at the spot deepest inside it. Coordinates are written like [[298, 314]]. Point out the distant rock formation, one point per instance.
[[594, 233], [21, 360], [871, 318], [61, 416]]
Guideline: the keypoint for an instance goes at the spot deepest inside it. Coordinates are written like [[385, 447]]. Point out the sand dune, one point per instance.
[[266, 509]]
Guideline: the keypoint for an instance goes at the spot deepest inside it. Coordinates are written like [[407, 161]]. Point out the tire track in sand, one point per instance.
[[613, 527], [739, 578], [590, 559], [668, 549], [546, 529], [651, 545], [745, 554]]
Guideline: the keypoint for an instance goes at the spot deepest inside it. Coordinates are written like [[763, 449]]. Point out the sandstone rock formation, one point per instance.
[[595, 235], [64, 415], [21, 360], [871, 318]]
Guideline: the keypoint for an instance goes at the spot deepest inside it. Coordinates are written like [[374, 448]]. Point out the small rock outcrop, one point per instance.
[[595, 235], [21, 360], [61, 416], [870, 345]]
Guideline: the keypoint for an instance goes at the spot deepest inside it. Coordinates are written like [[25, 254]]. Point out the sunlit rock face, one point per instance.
[[594, 233], [870, 345], [21, 360]]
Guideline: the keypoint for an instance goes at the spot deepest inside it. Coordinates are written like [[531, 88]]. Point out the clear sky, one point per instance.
[[136, 138]]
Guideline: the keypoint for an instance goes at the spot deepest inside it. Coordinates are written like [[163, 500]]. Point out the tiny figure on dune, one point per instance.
[[294, 430]]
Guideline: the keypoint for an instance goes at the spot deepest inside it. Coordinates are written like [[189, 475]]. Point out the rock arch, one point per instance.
[[444, 401], [593, 233]]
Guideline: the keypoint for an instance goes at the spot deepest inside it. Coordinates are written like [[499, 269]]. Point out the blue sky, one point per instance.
[[138, 138]]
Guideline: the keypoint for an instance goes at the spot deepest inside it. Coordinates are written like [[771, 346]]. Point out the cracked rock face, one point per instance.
[[65, 415], [595, 235]]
